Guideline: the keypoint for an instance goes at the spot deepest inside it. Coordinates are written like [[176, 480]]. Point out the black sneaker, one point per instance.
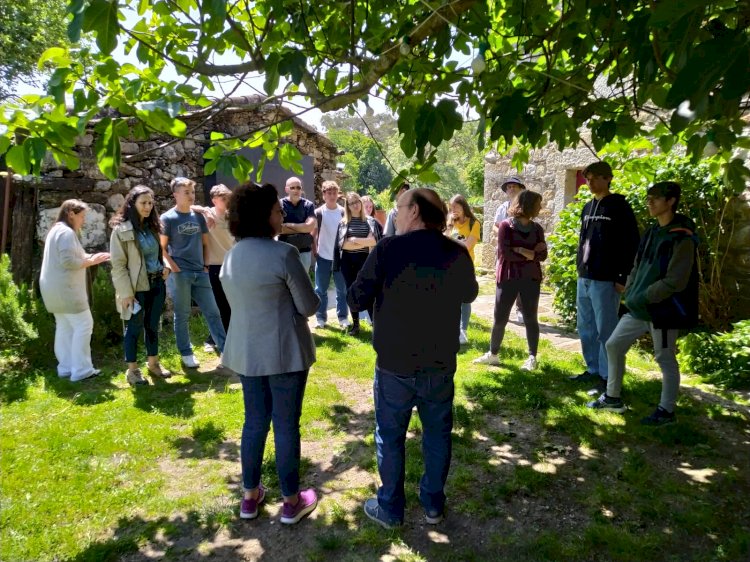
[[605, 402], [659, 417], [585, 377]]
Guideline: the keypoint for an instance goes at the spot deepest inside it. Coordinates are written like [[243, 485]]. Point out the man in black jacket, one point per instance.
[[416, 283], [661, 296], [606, 248]]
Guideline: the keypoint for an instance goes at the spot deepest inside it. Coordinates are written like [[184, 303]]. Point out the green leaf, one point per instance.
[[271, 81], [17, 158], [107, 145], [293, 64], [101, 18], [4, 145], [75, 7], [666, 142], [736, 173], [56, 55]]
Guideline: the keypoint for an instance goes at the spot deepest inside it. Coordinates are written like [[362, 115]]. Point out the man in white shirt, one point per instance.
[[511, 186], [328, 217]]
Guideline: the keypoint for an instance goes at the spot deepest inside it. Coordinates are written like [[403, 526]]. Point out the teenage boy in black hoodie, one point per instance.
[[661, 296], [606, 248]]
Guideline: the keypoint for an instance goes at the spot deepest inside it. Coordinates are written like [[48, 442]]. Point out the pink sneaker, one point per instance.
[[249, 508], [291, 514]]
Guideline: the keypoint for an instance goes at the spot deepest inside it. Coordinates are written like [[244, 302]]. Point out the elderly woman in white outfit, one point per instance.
[[63, 286]]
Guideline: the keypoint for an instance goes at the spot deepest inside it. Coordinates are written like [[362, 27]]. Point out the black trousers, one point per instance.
[[351, 263], [221, 299], [505, 295]]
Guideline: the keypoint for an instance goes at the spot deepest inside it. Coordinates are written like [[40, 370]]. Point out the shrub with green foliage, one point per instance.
[[15, 330], [705, 199], [719, 357]]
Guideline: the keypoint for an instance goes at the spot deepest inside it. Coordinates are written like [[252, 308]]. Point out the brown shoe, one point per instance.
[[135, 377], [159, 371]]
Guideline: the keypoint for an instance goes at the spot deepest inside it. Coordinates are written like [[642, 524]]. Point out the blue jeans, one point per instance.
[[184, 286], [152, 305], [395, 396], [277, 398], [597, 304], [306, 259], [323, 271], [465, 315]]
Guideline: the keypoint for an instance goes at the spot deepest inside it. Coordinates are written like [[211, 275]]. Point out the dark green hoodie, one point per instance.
[[663, 285]]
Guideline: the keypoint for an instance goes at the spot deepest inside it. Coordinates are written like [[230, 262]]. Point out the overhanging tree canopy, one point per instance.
[[541, 69]]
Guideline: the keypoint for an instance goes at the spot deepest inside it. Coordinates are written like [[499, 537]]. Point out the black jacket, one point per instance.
[[417, 282], [608, 239]]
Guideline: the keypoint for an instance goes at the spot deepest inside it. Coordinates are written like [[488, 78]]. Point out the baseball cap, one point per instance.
[[511, 179], [600, 168]]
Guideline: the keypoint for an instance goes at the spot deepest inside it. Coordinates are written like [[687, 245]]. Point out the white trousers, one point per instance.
[[73, 344]]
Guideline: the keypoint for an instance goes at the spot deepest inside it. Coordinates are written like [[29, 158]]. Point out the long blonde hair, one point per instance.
[[347, 210]]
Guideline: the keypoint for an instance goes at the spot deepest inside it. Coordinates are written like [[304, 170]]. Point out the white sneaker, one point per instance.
[[487, 359], [344, 323], [519, 317], [462, 337], [530, 364], [209, 348], [94, 373], [190, 361], [320, 324]]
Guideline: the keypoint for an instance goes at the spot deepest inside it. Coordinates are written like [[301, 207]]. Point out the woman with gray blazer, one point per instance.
[[268, 344]]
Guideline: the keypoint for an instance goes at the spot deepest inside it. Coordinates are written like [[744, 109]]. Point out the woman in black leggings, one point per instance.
[[520, 250]]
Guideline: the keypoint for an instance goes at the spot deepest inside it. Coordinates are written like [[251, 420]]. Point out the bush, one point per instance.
[[108, 326], [15, 330], [705, 199], [719, 357]]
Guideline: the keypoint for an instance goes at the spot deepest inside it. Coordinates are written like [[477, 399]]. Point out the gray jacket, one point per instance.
[[271, 297]]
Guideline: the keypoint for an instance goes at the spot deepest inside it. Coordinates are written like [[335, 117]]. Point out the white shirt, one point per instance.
[[328, 229], [502, 212]]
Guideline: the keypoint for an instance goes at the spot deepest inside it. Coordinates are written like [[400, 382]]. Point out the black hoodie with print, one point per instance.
[[608, 240]]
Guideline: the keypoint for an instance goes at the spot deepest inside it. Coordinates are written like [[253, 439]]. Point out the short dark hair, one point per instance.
[[178, 182], [600, 168], [668, 190], [523, 204], [434, 215], [249, 210]]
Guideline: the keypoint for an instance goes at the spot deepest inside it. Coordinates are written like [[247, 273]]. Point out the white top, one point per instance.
[[328, 229], [502, 212], [63, 278], [220, 240]]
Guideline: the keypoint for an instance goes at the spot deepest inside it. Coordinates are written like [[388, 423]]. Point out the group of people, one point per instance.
[[420, 276]]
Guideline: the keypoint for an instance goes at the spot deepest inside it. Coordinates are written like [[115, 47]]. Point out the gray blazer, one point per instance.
[[271, 297]]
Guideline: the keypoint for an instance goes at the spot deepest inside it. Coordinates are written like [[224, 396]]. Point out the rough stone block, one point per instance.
[[130, 148]]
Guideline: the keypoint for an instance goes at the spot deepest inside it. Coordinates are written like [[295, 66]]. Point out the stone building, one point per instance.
[[154, 162], [556, 175]]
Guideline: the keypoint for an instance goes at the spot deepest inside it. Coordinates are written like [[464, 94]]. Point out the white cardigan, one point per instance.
[[63, 278]]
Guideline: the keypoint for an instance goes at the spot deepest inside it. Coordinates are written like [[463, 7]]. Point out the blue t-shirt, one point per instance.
[[150, 250], [298, 215], [185, 232]]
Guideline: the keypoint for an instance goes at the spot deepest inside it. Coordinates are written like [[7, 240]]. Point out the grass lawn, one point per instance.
[[97, 471]]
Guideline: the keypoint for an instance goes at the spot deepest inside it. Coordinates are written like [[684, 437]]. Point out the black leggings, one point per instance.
[[505, 294], [351, 263]]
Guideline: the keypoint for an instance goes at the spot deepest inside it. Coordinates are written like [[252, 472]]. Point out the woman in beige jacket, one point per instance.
[[138, 274], [63, 286]]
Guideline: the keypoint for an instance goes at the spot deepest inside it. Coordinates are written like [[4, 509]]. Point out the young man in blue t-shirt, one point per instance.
[[184, 241]]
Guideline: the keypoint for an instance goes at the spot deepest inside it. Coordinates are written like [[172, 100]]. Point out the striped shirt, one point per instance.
[[359, 229]]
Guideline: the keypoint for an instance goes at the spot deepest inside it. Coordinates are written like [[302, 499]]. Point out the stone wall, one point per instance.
[[154, 162], [549, 172], [736, 270]]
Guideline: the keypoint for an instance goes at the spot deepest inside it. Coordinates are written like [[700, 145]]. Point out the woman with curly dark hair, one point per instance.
[[269, 344], [138, 274]]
